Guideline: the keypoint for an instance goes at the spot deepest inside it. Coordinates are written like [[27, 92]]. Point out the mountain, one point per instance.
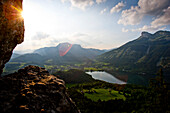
[[74, 54], [74, 76], [146, 53], [53, 58], [64, 53], [28, 58], [15, 55]]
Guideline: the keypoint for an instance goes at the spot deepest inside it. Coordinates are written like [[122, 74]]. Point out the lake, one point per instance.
[[121, 78], [104, 76]]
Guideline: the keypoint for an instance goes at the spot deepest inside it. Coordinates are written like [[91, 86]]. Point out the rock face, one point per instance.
[[11, 28], [145, 34], [34, 90]]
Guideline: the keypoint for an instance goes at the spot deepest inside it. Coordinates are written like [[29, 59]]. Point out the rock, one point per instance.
[[20, 93], [11, 28], [145, 34]]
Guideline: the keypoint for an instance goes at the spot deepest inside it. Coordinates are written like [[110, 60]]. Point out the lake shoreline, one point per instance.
[[104, 76]]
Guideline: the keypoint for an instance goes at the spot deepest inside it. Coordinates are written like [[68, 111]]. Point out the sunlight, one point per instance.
[[36, 18], [22, 14], [31, 15], [18, 10], [14, 11]]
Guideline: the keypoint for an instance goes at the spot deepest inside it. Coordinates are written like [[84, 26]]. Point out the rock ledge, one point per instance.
[[34, 90]]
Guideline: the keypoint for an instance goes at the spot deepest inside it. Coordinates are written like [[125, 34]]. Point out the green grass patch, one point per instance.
[[70, 85], [22, 65], [13, 62], [48, 66], [103, 94]]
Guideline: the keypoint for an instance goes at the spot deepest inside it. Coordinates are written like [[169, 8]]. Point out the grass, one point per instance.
[[22, 65], [70, 85], [103, 94], [13, 62], [48, 66]]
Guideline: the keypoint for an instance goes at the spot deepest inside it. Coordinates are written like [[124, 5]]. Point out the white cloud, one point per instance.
[[152, 7], [117, 8], [163, 19], [130, 17], [134, 15], [158, 23], [100, 1], [82, 4], [124, 30], [148, 28], [40, 36], [104, 10], [63, 1]]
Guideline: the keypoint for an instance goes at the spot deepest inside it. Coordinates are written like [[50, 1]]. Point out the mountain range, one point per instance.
[[51, 55], [62, 54], [146, 53]]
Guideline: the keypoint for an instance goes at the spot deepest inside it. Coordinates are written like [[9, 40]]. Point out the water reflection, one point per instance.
[[98, 75]]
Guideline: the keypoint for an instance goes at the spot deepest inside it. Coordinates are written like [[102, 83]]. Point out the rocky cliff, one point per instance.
[[11, 28], [34, 90]]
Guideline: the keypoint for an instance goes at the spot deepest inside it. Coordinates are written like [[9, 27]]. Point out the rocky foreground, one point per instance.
[[34, 90]]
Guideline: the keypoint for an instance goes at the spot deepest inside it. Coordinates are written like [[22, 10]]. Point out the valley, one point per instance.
[[141, 57]]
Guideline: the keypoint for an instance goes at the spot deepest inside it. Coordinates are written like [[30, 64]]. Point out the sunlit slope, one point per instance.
[[145, 53]]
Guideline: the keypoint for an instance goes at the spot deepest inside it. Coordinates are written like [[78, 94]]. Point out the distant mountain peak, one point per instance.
[[67, 43], [162, 32], [144, 53], [64, 43], [77, 45], [146, 34]]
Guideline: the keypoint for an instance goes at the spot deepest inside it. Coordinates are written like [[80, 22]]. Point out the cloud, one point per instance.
[[135, 14], [124, 30], [100, 1], [163, 19], [130, 17], [158, 23], [117, 8], [85, 39], [82, 4], [148, 28], [104, 10], [152, 7], [79, 35], [40, 36]]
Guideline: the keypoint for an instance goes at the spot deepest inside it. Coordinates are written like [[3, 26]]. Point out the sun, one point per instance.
[[36, 18], [23, 14]]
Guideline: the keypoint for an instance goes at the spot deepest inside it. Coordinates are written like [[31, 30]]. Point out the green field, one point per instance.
[[102, 94], [70, 85]]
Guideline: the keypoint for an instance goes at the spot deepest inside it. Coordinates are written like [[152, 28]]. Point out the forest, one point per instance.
[[103, 97]]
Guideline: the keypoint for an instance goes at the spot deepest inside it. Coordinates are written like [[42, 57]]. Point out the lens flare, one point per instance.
[[64, 48], [23, 14], [12, 11]]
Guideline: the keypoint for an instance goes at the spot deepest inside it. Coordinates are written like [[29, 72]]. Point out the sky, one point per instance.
[[100, 24]]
